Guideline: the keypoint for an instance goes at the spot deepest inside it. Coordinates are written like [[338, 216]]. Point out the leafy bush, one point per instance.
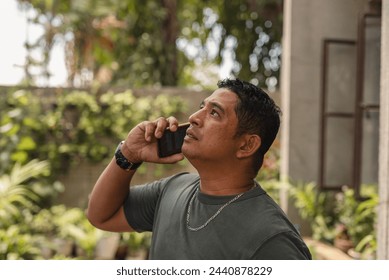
[[20, 198], [27, 229], [339, 215], [17, 245], [21, 128], [79, 125], [20, 190], [62, 226], [314, 207], [269, 174], [358, 218]]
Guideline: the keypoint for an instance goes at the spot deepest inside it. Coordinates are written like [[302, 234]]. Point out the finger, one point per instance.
[[149, 130], [173, 123], [161, 124]]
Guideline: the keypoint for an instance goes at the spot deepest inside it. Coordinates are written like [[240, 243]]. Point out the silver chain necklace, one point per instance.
[[214, 215]]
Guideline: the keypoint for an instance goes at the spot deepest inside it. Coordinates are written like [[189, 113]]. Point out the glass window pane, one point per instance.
[[339, 152], [370, 136], [341, 75], [371, 90]]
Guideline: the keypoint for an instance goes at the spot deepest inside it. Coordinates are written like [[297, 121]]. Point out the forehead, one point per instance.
[[224, 97]]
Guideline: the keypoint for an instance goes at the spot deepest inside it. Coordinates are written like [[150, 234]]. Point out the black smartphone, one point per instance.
[[171, 142]]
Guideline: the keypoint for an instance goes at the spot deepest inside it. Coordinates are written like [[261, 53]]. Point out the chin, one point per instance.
[[185, 151], [188, 152]]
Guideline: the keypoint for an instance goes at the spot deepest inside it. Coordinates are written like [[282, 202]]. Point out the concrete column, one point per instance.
[[383, 180], [285, 102]]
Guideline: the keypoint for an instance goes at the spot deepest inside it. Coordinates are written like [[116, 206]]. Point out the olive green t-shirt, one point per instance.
[[252, 227]]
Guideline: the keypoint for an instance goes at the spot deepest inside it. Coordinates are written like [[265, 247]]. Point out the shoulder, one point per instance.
[[272, 225], [286, 245], [272, 220], [280, 238]]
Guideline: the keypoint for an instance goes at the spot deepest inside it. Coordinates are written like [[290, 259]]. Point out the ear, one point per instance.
[[248, 145]]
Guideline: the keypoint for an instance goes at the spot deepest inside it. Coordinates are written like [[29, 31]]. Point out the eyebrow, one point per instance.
[[214, 104]]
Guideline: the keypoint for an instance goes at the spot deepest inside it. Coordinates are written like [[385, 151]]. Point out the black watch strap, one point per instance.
[[122, 161]]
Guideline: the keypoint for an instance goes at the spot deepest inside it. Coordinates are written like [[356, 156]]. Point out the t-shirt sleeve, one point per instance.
[[139, 206], [283, 246], [141, 203]]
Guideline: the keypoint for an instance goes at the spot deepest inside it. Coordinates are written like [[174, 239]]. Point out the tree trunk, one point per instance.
[[170, 34]]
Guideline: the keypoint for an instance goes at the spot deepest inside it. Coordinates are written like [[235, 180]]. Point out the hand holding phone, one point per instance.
[[171, 142]]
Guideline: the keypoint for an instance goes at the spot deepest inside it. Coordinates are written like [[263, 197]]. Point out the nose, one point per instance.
[[195, 119]]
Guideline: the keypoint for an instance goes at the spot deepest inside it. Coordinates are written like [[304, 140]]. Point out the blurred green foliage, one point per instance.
[[29, 231], [339, 215], [18, 199], [135, 42], [39, 139], [78, 125], [269, 174]]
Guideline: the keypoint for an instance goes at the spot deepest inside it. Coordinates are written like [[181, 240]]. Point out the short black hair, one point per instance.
[[257, 114]]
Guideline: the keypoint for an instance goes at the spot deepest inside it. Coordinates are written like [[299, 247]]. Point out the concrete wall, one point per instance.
[[80, 179]]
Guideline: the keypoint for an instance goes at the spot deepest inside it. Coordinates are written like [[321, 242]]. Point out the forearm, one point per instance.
[[112, 188], [108, 195]]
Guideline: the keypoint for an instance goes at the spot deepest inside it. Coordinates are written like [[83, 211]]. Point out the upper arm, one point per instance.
[[116, 223], [142, 203]]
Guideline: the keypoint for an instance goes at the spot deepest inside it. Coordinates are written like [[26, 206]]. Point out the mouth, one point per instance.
[[190, 135]]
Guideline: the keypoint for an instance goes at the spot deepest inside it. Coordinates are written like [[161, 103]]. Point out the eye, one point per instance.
[[214, 113]]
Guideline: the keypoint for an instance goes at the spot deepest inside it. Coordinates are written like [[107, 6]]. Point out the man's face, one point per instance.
[[213, 127]]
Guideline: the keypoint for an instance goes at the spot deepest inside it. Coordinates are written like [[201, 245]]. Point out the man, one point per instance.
[[221, 213]]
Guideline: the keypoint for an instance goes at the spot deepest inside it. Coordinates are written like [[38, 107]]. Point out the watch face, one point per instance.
[[121, 162], [120, 159]]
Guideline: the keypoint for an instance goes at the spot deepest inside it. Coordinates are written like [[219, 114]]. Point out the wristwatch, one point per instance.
[[123, 162]]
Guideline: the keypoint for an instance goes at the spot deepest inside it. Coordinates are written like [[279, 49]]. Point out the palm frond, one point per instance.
[[16, 193]]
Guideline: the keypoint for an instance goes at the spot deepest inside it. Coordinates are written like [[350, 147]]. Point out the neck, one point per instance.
[[224, 177], [225, 185]]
